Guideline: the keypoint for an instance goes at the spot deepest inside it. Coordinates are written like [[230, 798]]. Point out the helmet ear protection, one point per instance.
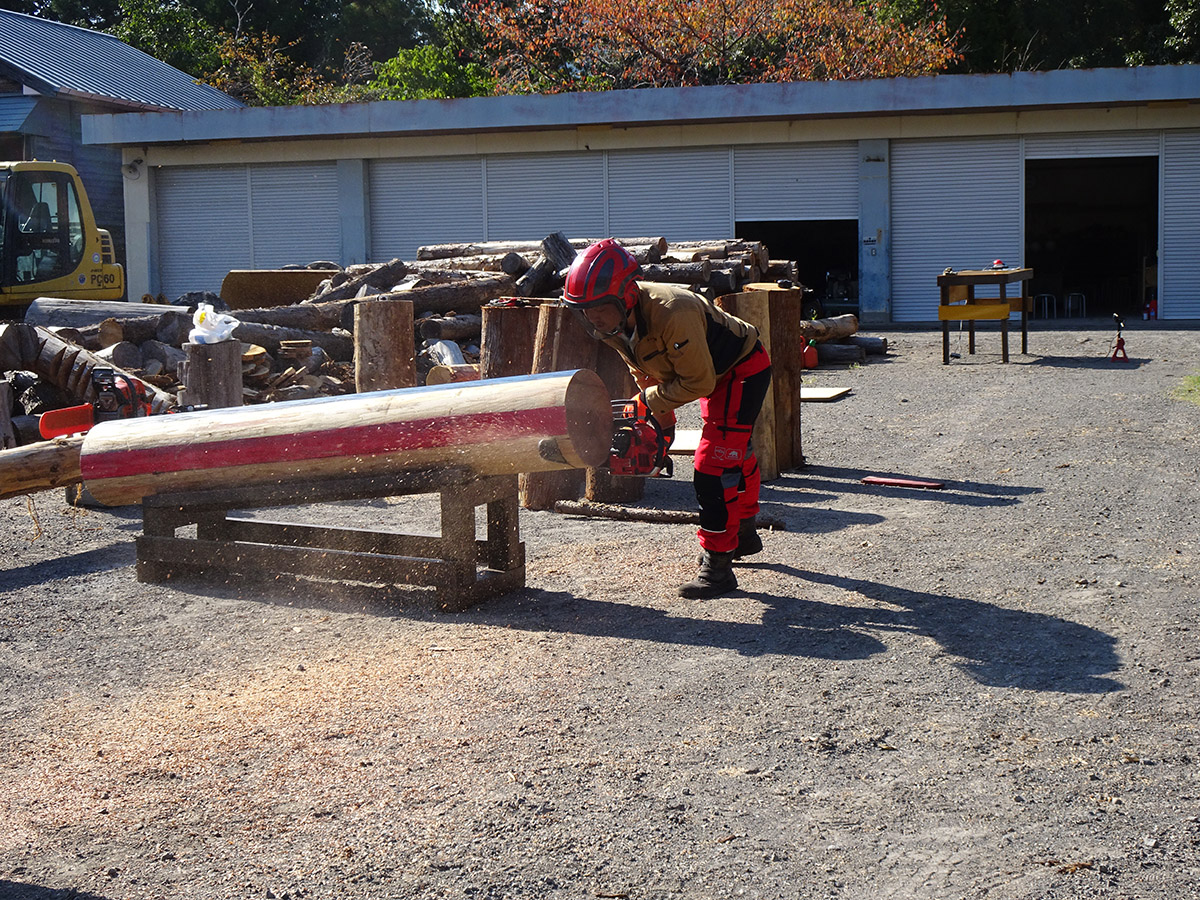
[[605, 274]]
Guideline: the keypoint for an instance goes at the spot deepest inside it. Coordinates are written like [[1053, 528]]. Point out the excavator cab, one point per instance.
[[49, 242]]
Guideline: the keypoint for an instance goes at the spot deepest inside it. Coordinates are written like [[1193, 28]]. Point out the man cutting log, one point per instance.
[[680, 348]]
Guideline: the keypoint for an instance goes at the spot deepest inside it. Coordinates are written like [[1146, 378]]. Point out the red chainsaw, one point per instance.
[[641, 441], [116, 398]]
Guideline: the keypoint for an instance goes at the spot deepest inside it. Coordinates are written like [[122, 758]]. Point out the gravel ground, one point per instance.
[[984, 691]]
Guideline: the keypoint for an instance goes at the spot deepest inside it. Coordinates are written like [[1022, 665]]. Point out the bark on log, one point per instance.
[[477, 248], [506, 348], [381, 278], [510, 263], [820, 330], [679, 273], [560, 344], [8, 437], [55, 311], [65, 365], [384, 352], [558, 251], [40, 467], [458, 296], [829, 352], [123, 355], [539, 279], [212, 374], [640, 514], [452, 328], [875, 346], [338, 346], [533, 424]]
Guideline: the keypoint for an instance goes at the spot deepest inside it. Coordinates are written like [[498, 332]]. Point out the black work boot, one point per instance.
[[714, 578], [749, 542]]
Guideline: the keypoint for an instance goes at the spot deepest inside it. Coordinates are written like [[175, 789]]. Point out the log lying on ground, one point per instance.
[[533, 424], [874, 346], [846, 354], [820, 330], [338, 346], [40, 467], [639, 514]]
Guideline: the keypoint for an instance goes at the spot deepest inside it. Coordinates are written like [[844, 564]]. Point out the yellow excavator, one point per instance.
[[50, 245]]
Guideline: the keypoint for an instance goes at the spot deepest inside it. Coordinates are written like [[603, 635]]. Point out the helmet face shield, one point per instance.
[[604, 317]]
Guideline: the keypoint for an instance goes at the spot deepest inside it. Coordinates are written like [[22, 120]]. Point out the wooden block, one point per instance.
[[822, 395]]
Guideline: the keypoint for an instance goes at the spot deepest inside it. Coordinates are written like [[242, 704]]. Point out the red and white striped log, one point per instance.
[[502, 426]]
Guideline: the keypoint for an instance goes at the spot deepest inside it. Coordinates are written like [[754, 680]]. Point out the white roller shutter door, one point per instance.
[[424, 201], [955, 202], [1180, 261], [531, 196], [796, 182], [1071, 146], [203, 216], [677, 194], [294, 214]]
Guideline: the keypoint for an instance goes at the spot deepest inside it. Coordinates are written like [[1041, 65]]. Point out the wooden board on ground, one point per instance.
[[822, 394]]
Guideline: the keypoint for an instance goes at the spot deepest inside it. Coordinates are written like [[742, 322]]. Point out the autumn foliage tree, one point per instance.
[[546, 46]]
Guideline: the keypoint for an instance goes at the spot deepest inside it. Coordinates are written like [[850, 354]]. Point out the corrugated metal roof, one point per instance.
[[61, 59]]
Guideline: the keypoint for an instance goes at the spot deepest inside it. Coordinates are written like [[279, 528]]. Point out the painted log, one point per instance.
[[503, 426]]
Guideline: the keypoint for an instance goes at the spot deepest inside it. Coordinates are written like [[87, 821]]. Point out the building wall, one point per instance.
[[678, 181]]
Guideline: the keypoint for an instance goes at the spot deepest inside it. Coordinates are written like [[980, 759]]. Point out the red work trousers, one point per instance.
[[727, 478]]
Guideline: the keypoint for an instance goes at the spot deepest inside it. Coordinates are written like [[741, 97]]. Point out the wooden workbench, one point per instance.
[[959, 303]]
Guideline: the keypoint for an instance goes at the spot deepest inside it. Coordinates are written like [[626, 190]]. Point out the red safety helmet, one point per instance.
[[603, 274]]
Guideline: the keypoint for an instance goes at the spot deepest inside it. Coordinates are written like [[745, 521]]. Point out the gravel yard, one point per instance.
[[985, 691]]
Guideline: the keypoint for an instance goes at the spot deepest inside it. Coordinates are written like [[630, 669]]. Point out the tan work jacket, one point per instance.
[[681, 345]]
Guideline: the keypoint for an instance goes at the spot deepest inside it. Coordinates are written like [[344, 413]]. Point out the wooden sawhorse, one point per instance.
[[464, 569]]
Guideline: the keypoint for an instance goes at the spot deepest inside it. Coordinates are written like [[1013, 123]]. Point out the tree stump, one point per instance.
[[561, 343], [384, 355], [507, 344], [212, 375]]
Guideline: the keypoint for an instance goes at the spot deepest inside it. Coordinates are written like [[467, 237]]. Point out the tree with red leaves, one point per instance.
[[547, 46]]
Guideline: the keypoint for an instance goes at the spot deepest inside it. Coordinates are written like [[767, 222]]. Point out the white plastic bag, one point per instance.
[[212, 327]]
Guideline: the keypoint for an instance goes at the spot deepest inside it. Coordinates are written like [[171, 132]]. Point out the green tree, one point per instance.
[[1014, 35], [429, 72], [171, 31]]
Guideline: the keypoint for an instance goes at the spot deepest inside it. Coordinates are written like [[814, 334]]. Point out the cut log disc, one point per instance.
[[497, 427]]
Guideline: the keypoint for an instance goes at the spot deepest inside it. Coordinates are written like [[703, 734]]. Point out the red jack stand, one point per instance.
[[1118, 354]]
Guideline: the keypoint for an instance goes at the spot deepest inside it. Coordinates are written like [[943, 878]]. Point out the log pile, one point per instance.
[[308, 349]]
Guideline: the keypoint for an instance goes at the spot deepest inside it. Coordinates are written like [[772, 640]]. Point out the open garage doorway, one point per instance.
[[1091, 232], [825, 252]]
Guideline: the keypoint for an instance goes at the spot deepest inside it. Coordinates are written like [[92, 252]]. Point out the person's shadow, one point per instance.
[[996, 646], [15, 890]]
